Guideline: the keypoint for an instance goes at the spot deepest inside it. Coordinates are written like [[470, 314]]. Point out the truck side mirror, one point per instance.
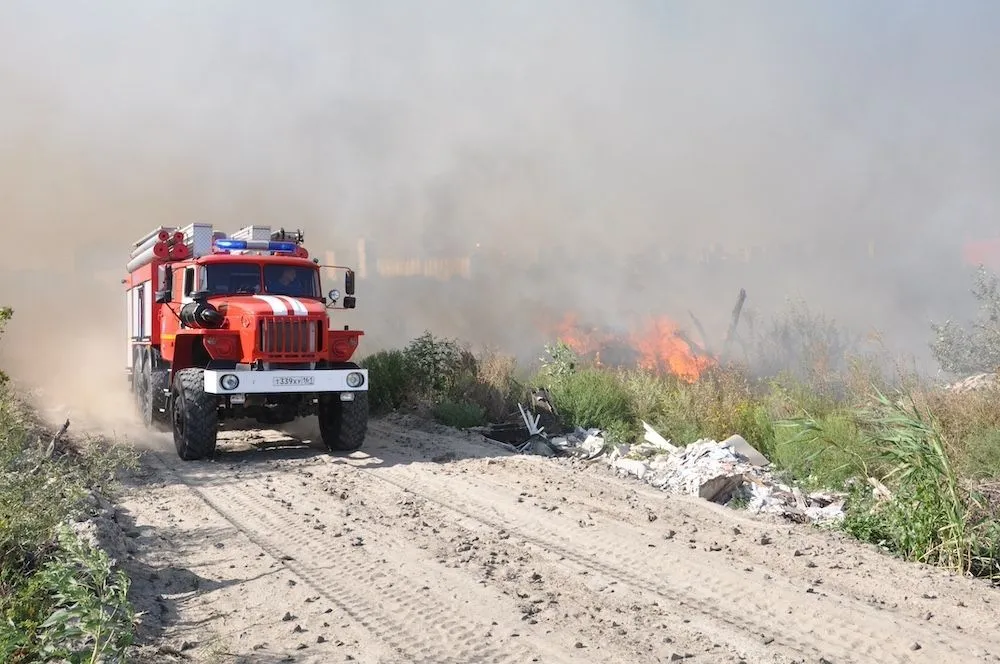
[[349, 282]]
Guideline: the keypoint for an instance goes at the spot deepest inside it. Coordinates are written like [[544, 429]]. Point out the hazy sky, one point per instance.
[[588, 133]]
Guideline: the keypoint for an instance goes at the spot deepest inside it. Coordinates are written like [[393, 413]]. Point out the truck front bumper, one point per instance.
[[273, 382]]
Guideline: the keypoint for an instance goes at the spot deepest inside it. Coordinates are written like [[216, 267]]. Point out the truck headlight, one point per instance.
[[355, 379], [229, 382]]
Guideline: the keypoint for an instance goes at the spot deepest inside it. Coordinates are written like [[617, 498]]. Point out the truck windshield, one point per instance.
[[248, 278]]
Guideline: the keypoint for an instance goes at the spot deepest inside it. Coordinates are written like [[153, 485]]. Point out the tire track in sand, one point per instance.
[[801, 619], [403, 616]]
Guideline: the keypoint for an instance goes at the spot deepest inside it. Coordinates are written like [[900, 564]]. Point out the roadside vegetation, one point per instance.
[[920, 463], [60, 598]]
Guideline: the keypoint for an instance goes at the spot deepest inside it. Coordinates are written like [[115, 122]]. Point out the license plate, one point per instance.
[[293, 381]]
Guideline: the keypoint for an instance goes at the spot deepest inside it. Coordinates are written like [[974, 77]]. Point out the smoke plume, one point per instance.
[[615, 159]]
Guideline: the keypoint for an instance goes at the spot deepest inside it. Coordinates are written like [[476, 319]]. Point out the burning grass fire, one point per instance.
[[657, 345]]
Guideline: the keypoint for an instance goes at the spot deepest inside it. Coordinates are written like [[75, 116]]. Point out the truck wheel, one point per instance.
[[140, 388], [151, 381], [194, 415], [343, 424], [159, 384]]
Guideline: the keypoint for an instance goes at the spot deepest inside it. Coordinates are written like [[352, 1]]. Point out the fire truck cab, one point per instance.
[[236, 328]]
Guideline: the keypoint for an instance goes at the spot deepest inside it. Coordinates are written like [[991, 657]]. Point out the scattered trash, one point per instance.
[[729, 472]]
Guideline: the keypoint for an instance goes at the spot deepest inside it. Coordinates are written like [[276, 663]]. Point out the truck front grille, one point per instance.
[[287, 337]]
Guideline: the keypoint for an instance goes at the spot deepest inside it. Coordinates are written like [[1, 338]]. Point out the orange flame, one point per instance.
[[659, 345], [662, 348], [583, 342]]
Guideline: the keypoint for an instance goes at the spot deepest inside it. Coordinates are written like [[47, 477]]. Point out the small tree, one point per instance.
[[975, 348]]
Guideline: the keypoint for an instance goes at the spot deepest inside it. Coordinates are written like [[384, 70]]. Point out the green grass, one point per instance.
[[592, 398], [460, 415], [823, 452]]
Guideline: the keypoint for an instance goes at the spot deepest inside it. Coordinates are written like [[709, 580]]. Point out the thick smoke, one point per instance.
[[587, 156]]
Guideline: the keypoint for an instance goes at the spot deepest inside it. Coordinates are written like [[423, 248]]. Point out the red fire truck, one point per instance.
[[235, 327]]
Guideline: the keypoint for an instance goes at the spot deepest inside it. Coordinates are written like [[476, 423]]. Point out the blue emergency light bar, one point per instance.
[[256, 245]]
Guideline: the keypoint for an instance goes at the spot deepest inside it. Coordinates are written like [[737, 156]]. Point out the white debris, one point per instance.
[[742, 447], [732, 470], [631, 467], [651, 436]]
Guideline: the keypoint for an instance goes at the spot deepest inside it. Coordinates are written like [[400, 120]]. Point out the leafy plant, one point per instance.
[[560, 360], [59, 599], [93, 620]]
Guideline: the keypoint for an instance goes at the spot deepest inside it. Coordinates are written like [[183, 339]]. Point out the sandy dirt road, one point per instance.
[[435, 547]]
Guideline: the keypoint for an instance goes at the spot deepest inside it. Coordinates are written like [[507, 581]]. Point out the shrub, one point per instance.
[[432, 372], [976, 348], [437, 364], [560, 360], [390, 380], [824, 451], [83, 601]]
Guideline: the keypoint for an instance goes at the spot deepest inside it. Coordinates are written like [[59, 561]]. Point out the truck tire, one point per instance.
[[152, 383], [343, 425], [194, 415], [159, 383]]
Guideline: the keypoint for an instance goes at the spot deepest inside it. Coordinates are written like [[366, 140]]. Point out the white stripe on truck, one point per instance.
[[297, 306], [278, 307]]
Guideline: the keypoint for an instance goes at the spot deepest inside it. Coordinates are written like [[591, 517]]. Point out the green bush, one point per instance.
[[390, 380], [432, 371], [73, 608], [437, 364]]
